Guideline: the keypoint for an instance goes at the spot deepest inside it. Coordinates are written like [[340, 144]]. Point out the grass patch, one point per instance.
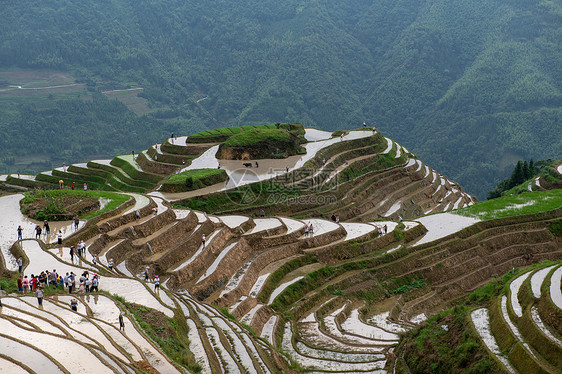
[[194, 179], [418, 283], [506, 206], [8, 285], [169, 333], [252, 137], [54, 204], [446, 343], [273, 280]]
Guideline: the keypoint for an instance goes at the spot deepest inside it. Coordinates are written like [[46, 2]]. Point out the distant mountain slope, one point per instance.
[[468, 86]]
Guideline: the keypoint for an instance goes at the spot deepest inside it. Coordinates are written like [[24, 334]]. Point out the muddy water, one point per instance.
[[196, 346], [81, 361], [41, 324], [40, 260], [134, 292], [9, 367], [12, 217], [63, 253], [82, 325]]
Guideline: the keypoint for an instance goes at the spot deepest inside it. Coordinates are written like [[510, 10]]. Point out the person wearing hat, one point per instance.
[[156, 284]]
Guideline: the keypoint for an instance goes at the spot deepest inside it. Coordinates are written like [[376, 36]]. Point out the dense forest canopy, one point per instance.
[[469, 86]]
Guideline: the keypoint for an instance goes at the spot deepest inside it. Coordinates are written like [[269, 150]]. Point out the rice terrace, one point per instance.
[[290, 250]]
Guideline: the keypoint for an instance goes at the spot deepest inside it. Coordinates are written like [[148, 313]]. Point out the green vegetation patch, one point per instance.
[[506, 206], [59, 205], [252, 137], [446, 343], [194, 179], [273, 280], [262, 142], [169, 333]]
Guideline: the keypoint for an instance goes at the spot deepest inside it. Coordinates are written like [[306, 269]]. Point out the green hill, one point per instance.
[[468, 86]]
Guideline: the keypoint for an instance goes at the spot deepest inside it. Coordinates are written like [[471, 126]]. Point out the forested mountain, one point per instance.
[[470, 86]]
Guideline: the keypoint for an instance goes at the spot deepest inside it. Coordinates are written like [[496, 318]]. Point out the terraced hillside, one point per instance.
[[363, 178], [127, 173], [278, 292], [334, 300], [522, 328], [359, 175]]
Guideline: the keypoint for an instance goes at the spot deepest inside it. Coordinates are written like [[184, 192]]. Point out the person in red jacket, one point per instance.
[[20, 284]]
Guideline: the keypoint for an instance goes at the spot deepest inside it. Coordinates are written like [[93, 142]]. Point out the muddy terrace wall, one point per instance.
[[185, 149], [167, 158], [91, 229], [155, 167], [262, 260], [188, 274]]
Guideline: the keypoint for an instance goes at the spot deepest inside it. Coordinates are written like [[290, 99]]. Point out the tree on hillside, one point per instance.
[[522, 172], [518, 176]]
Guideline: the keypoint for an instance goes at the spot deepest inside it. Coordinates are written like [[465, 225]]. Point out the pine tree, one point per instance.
[[526, 171], [517, 176], [532, 168]]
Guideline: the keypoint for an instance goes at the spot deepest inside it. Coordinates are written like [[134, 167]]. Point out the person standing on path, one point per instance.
[[203, 238], [95, 282], [20, 264], [76, 222], [72, 254], [156, 284], [37, 232], [25, 284], [110, 264], [20, 233], [39, 294], [19, 283], [74, 305], [59, 238], [146, 271], [85, 186], [121, 322], [46, 228]]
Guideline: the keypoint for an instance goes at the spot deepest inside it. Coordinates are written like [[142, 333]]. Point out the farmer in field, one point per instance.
[[61, 184]]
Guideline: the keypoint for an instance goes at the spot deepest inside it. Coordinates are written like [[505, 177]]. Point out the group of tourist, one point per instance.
[[80, 250], [46, 230], [53, 279]]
